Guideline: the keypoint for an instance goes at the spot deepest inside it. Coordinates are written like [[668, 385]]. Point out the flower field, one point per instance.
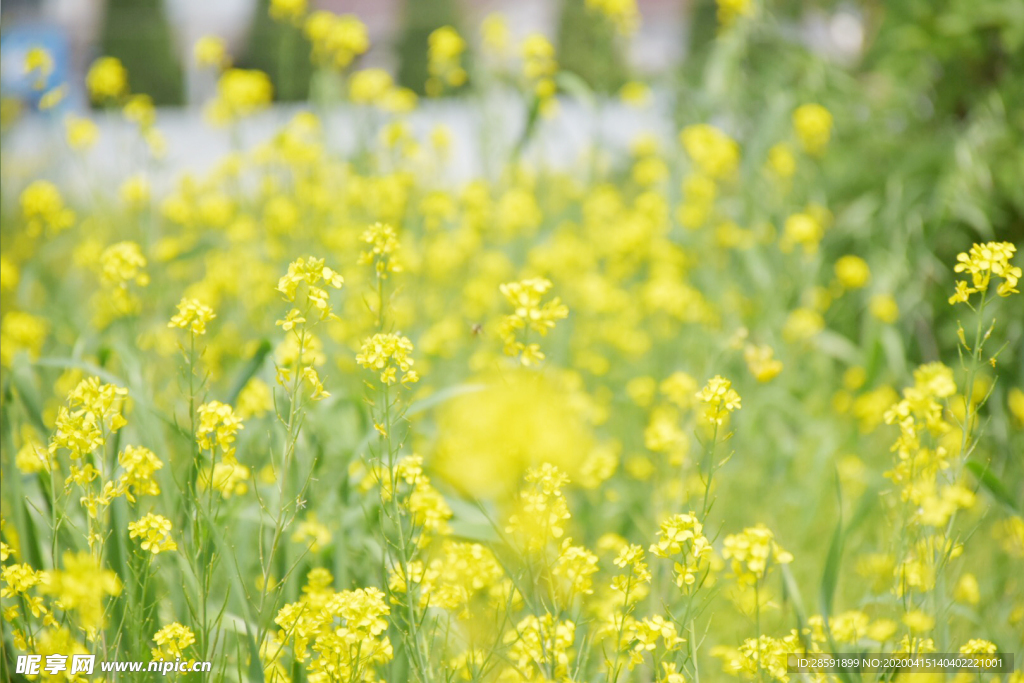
[[669, 412]]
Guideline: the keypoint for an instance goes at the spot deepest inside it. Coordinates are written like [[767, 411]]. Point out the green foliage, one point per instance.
[[282, 51], [137, 33], [587, 46], [419, 19]]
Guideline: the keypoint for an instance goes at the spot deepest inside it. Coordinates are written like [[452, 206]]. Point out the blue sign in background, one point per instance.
[[15, 44]]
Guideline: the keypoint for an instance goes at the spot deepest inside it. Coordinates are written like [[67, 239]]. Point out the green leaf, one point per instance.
[[84, 366], [249, 370], [994, 485], [22, 380], [830, 576], [575, 86]]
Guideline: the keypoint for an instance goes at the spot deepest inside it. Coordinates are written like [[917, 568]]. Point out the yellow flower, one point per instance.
[[211, 51], [528, 315], [720, 398], [171, 641], [918, 621], [240, 93], [388, 353], [802, 229], [370, 86], [761, 362], [340, 636], [135, 192], [154, 533], [539, 644], [813, 125], [140, 464], [312, 272], [255, 399], [122, 264], [82, 587], [384, 246], [52, 97], [336, 40], [38, 62], [884, 307], [43, 208], [1015, 402], [731, 10], [802, 324], [81, 133], [288, 10], [539, 68], [714, 153], [107, 79], [683, 535], [192, 315], [852, 272], [228, 477], [982, 262], [967, 591], [444, 49], [781, 161], [752, 551], [494, 29], [139, 110], [218, 426], [21, 331], [622, 14]]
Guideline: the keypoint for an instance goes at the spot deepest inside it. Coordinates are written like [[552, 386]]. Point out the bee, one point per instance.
[[477, 329]]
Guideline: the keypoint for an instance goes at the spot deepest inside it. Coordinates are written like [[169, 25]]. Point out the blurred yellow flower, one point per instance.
[[813, 125], [107, 80]]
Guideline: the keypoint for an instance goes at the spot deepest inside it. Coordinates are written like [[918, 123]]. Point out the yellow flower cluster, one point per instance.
[[529, 315], [288, 10], [623, 14], [82, 587], [107, 80], [172, 641], [541, 511], [444, 51], [311, 272], [388, 353], [541, 647], [218, 426], [752, 553], [210, 51], [713, 153], [982, 262], [813, 125], [122, 264], [81, 133], [43, 210], [376, 87], [192, 315], [93, 411], [729, 11], [337, 40], [761, 362], [154, 533], [719, 399], [240, 93], [139, 464], [38, 62], [20, 331], [337, 635], [539, 68], [683, 535], [382, 253]]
